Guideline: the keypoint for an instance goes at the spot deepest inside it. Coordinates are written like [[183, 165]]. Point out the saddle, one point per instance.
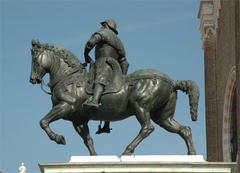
[[116, 80]]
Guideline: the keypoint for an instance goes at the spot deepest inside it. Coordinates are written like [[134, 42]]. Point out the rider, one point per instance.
[[107, 44]]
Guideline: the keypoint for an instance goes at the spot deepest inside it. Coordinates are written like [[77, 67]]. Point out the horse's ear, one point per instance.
[[35, 42]]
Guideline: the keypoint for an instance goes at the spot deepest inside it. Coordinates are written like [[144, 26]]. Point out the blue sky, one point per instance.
[[157, 34]]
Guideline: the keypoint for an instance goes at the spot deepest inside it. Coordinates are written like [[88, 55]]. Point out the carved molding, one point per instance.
[[227, 115], [209, 15], [217, 8]]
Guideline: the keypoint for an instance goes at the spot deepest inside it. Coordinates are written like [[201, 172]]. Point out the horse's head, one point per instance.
[[40, 62]]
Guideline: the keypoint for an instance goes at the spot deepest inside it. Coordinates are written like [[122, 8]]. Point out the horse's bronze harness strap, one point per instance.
[[53, 83]]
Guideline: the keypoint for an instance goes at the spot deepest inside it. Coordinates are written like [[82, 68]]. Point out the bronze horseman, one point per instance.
[[107, 44], [146, 94]]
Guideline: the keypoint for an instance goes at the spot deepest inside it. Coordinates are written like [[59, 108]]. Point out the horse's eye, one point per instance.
[[35, 61]]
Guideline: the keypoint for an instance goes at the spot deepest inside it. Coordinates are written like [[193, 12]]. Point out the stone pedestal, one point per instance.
[[137, 164]]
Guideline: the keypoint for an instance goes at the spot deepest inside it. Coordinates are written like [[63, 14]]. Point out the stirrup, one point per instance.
[[90, 104]]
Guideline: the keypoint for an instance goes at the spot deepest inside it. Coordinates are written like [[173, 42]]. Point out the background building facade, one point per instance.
[[220, 20]]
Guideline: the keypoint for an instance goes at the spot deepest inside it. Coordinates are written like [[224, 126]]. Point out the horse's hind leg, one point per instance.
[[165, 120], [184, 131], [57, 112], [83, 130], [143, 117]]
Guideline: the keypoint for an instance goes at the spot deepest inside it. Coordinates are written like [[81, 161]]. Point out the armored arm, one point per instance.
[[95, 38], [124, 65], [122, 59]]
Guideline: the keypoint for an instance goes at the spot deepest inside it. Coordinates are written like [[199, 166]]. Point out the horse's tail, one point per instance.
[[190, 88]]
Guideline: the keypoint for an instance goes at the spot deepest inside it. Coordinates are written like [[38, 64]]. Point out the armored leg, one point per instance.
[[98, 90], [94, 101]]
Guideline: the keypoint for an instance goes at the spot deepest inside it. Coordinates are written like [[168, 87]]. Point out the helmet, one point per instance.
[[111, 24]]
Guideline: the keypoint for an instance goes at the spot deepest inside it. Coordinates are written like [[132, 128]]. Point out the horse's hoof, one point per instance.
[[61, 140], [127, 153], [192, 153], [93, 154]]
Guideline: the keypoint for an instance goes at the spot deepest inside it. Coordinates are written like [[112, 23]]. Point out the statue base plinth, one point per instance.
[[138, 164]]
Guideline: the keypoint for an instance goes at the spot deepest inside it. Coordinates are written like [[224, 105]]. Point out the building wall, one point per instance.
[[220, 35], [238, 79], [225, 62], [211, 97]]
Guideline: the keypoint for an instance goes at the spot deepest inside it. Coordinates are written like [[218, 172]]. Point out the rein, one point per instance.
[[43, 84], [64, 77]]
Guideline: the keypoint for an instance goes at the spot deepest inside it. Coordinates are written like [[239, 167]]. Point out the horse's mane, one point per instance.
[[64, 54]]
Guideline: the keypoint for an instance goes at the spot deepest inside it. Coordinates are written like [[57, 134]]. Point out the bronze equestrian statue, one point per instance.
[[107, 44], [146, 94]]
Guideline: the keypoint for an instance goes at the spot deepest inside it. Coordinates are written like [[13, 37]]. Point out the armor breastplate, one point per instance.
[[109, 46], [105, 50]]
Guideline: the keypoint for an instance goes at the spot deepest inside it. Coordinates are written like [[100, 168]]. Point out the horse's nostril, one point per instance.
[[38, 80], [31, 80]]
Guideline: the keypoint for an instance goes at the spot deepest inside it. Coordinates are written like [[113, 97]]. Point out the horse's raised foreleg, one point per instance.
[[83, 130], [146, 128], [57, 112]]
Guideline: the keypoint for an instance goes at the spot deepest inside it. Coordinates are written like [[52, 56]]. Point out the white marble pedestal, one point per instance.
[[137, 164]]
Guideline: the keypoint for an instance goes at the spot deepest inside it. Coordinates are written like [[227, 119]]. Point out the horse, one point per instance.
[[146, 94]]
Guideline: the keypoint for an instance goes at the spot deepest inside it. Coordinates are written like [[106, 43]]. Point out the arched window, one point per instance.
[[229, 122], [233, 128]]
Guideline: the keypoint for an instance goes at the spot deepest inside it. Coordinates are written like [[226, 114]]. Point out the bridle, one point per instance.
[[44, 71], [42, 87]]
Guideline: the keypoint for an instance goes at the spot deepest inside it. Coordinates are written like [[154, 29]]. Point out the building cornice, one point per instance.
[[209, 15]]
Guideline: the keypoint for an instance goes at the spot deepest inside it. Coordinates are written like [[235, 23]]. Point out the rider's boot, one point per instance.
[[94, 101], [105, 129]]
